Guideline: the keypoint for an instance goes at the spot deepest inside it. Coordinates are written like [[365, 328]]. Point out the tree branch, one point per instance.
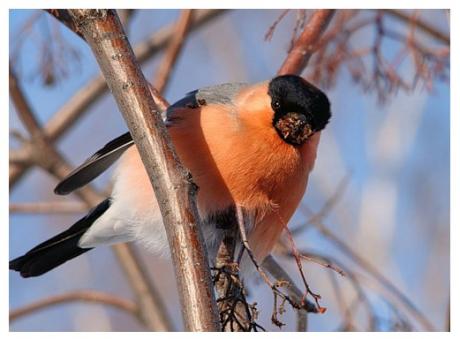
[[48, 207], [303, 49], [172, 53], [81, 296], [172, 184]]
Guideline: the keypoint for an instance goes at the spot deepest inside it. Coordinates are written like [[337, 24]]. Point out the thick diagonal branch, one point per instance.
[[303, 49], [174, 189]]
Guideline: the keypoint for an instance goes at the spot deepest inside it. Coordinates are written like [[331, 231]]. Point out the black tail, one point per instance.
[[58, 249]]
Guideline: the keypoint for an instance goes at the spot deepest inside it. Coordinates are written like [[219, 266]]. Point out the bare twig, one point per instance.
[[335, 49], [171, 182], [327, 207], [77, 296], [48, 207], [380, 278], [277, 272], [344, 309], [271, 29], [422, 25], [243, 220], [173, 51], [294, 292], [236, 314], [303, 48], [322, 261]]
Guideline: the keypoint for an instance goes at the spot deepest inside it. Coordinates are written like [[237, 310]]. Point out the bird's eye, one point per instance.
[[276, 104]]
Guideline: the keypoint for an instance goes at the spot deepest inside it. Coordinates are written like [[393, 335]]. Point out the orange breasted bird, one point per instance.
[[246, 145]]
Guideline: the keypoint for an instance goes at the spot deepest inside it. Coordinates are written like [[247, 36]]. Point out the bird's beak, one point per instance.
[[294, 128]]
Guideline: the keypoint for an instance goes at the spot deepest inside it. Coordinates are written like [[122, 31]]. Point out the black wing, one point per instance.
[[95, 165]]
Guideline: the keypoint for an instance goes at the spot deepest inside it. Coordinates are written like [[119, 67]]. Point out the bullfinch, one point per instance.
[[245, 145]]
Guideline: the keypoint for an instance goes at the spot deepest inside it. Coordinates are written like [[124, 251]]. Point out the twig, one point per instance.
[[48, 207], [294, 292], [303, 48], [380, 278], [77, 296], [277, 272], [163, 72], [327, 207], [271, 29], [322, 261], [243, 222], [344, 271], [297, 256], [335, 49], [171, 183], [231, 299], [422, 25]]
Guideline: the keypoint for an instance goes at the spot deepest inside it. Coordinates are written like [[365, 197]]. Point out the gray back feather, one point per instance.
[[218, 94]]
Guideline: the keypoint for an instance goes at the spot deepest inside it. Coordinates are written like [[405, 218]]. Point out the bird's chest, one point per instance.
[[262, 172]]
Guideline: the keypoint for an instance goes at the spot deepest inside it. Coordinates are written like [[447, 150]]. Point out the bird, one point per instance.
[[246, 145]]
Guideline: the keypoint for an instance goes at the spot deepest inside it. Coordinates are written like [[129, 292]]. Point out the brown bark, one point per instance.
[[303, 49], [172, 184]]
